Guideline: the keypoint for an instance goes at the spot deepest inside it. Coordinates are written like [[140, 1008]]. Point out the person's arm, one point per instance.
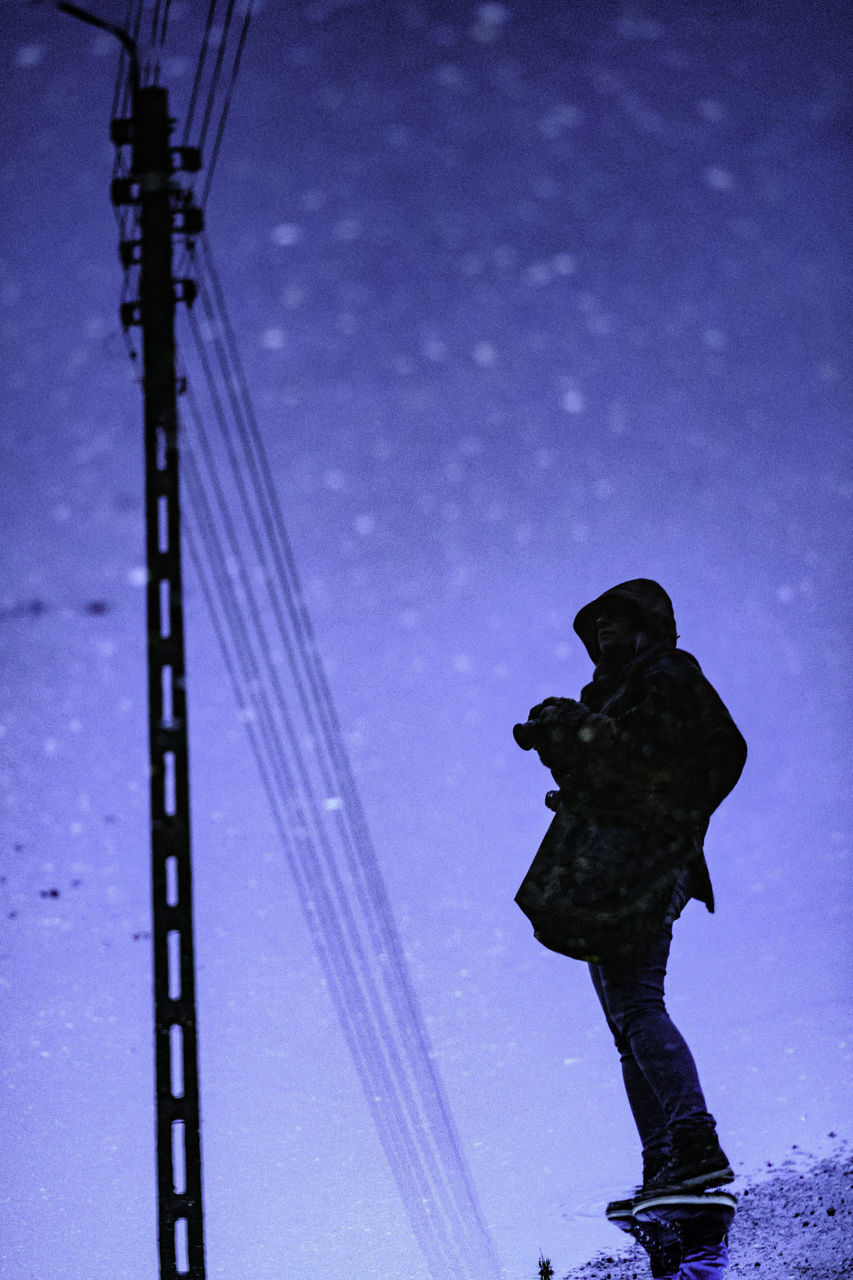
[[678, 749]]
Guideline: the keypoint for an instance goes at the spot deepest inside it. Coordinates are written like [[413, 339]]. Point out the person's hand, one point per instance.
[[556, 711]]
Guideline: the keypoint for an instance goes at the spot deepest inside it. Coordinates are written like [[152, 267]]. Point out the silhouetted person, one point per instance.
[[641, 762]]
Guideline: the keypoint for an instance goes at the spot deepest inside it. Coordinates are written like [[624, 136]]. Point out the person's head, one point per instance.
[[618, 631], [629, 617]]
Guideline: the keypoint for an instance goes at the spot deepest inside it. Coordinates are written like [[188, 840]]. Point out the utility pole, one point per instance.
[[178, 1122], [163, 209]]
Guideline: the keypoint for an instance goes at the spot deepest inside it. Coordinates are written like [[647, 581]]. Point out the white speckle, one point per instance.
[[710, 110], [103, 45], [718, 179], [335, 480], [564, 264], [462, 662], [29, 55], [544, 458], [175, 66], [785, 593], [714, 339], [51, 746], [313, 200], [286, 234], [617, 418], [484, 354], [572, 401], [454, 472], [631, 27], [347, 229], [570, 1062], [579, 532], [470, 447], [599, 325], [561, 117], [364, 525], [489, 22], [562, 650], [399, 137], [538, 273], [332, 803], [273, 339], [434, 349], [504, 256], [293, 296], [409, 618], [450, 76], [138, 576]]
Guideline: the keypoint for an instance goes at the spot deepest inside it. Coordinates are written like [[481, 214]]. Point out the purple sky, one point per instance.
[[528, 306]]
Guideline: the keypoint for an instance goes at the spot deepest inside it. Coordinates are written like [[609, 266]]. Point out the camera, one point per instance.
[[529, 734]]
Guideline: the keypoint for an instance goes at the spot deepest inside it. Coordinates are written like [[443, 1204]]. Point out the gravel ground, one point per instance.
[[793, 1224]]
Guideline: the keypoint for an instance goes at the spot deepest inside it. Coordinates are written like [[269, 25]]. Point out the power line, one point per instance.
[[217, 70], [226, 107], [344, 971], [439, 1143], [199, 70], [354, 834]]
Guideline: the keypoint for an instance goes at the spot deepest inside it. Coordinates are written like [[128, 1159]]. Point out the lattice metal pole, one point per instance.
[[161, 210], [151, 189]]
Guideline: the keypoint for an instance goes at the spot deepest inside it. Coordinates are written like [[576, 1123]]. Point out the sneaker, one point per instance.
[[661, 1241], [624, 1208], [697, 1162]]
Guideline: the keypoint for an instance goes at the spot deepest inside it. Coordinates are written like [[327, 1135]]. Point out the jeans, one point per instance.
[[660, 1075]]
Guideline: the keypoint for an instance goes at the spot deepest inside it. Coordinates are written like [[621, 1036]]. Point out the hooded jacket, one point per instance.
[[641, 760]]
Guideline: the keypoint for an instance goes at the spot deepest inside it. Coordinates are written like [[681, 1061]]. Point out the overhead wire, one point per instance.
[[316, 807], [217, 71], [439, 1135], [223, 117], [322, 718], [199, 71], [218, 559], [324, 872]]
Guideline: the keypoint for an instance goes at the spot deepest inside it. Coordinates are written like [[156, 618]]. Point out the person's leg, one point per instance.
[[649, 1116], [656, 1061], [658, 1070]]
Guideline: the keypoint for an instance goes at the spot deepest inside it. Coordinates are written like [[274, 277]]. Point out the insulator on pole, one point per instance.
[[190, 220], [186, 290], [130, 314], [124, 191], [121, 133], [129, 252], [187, 158]]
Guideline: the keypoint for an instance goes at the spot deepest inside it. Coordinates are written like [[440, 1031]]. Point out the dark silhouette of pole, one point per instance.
[[176, 1055], [162, 209]]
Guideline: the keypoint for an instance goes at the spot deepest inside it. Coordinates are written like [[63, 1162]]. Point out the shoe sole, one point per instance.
[[701, 1182], [704, 1200]]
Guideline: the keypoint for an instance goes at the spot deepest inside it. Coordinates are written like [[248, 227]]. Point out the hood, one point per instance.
[[647, 598]]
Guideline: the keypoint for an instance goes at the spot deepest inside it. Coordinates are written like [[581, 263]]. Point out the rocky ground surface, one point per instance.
[[794, 1224]]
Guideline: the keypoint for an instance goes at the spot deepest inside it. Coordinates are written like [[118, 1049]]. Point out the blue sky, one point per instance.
[[527, 306]]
